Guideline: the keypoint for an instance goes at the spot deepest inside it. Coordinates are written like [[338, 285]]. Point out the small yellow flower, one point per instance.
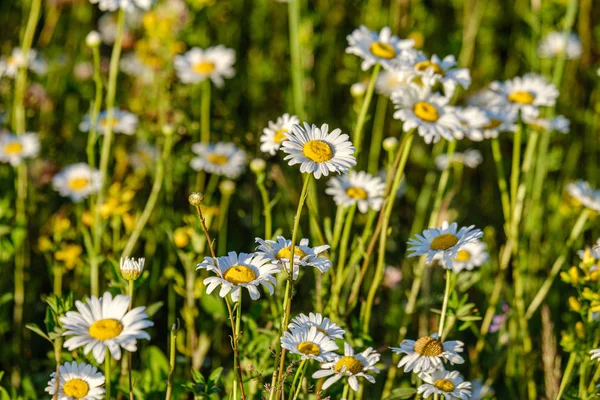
[[60, 224], [87, 218], [574, 275], [580, 330], [574, 304], [69, 254], [129, 221], [44, 244], [181, 237]]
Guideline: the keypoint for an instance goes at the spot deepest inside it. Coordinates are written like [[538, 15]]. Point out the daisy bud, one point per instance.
[[227, 187], [390, 144], [358, 89], [168, 130], [196, 198], [131, 269], [92, 39], [258, 165]]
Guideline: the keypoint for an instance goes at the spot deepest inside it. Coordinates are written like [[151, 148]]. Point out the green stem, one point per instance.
[[92, 137], [445, 304], [172, 349], [516, 165], [107, 374], [567, 375], [205, 109], [345, 393], [362, 116], [497, 154], [58, 275], [222, 225], [236, 338], [131, 286], [296, 62], [377, 138], [298, 376], [337, 228], [260, 182]]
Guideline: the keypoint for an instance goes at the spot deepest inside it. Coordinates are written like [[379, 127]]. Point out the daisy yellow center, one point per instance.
[[382, 50], [13, 148], [218, 159], [356, 193], [105, 329], [463, 256], [309, 348], [318, 151], [204, 67], [286, 252], [428, 347], [494, 123], [426, 111], [521, 96], [280, 136], [109, 122], [424, 65], [444, 385], [239, 274], [443, 242], [78, 183], [77, 388], [352, 364]]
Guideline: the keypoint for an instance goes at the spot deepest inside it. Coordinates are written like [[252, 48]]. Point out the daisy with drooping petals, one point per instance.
[[323, 325], [77, 381], [429, 112], [219, 158], [433, 70], [350, 365], [77, 181], [583, 193], [360, 188], [235, 272], [319, 151], [526, 94], [554, 45], [445, 240], [428, 354], [274, 134], [197, 65], [310, 344], [9, 66], [126, 5], [470, 256], [279, 252], [471, 158], [450, 385], [375, 47], [104, 323], [14, 149], [121, 122]]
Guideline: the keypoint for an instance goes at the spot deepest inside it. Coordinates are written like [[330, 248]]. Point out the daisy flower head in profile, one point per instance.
[[501, 119], [322, 324], [448, 384], [9, 65], [557, 124], [472, 255], [319, 151], [197, 65], [309, 343], [584, 194], [471, 158], [274, 134], [237, 271], [279, 252], [14, 149], [417, 107], [77, 181], [219, 158], [130, 6], [526, 94], [473, 122], [373, 47], [357, 188], [350, 365], [105, 323], [444, 241], [77, 381], [430, 71], [428, 354], [121, 122], [554, 45], [389, 81]]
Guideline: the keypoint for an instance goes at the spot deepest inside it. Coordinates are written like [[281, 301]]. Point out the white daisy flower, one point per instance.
[[350, 365], [9, 66], [428, 112], [14, 149], [471, 158], [319, 151], [214, 63], [594, 251], [556, 124], [473, 121], [445, 240], [77, 181], [553, 45], [108, 26], [375, 47], [584, 194], [77, 381], [486, 99], [323, 325], [360, 188], [470, 256], [219, 158], [133, 66], [433, 70], [235, 272], [595, 354], [104, 323], [121, 122], [480, 390], [274, 134], [126, 5], [428, 353], [310, 344], [304, 256], [389, 81], [450, 385], [526, 93], [501, 119]]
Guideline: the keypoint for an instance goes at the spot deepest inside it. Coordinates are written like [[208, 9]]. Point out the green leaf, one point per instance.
[[402, 393], [153, 308], [36, 329], [215, 376], [213, 305]]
